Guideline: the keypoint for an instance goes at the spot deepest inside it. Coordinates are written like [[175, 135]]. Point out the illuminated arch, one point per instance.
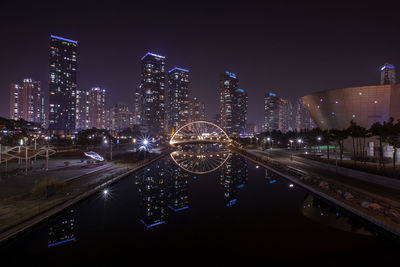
[[200, 164], [194, 129]]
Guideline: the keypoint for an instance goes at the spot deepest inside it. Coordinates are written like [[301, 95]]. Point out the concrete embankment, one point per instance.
[[25, 225], [338, 197]]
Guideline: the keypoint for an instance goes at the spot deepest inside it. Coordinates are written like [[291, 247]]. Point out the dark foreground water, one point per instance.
[[239, 214]]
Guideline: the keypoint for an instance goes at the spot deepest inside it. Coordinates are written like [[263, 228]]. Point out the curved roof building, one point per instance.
[[365, 105]]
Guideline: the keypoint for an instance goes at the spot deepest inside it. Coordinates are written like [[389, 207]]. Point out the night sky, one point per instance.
[[290, 49]]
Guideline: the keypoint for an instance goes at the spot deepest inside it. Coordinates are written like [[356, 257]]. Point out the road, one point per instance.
[[374, 190]]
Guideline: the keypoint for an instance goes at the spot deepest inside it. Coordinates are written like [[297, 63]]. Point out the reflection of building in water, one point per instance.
[[62, 229], [318, 211], [178, 189], [152, 195], [270, 176], [234, 174]]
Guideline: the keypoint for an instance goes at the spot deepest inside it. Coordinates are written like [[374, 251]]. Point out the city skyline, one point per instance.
[[113, 62]]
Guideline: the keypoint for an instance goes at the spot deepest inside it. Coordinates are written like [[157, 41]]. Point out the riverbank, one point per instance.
[[22, 212], [382, 213]]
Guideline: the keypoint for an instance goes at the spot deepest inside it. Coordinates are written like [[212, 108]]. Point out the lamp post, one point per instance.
[[299, 141], [291, 149], [319, 139], [145, 143], [106, 141]]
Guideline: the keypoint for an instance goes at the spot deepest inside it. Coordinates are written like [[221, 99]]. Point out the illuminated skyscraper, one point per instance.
[[16, 101], [228, 88], [178, 98], [303, 118], [388, 74], [62, 84], [239, 111], [152, 94], [271, 112], [27, 102], [82, 110], [122, 118], [276, 113], [97, 112], [197, 110]]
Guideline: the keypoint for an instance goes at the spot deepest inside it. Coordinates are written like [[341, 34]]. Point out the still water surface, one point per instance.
[[238, 214]]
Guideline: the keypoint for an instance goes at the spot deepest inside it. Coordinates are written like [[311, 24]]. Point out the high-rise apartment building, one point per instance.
[[97, 112], [152, 94], [178, 98], [303, 118], [62, 84], [82, 110], [122, 118], [388, 74], [27, 102], [197, 110], [271, 112], [16, 101], [233, 104], [276, 113], [239, 108]]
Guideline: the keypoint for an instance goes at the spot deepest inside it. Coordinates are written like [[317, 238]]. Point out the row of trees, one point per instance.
[[386, 132]]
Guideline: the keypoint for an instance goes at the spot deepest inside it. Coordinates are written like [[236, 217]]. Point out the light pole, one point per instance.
[[291, 149], [145, 143], [319, 139], [299, 141], [105, 142]]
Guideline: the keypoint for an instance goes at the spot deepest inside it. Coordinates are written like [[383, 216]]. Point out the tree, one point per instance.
[[393, 131], [339, 136], [382, 131]]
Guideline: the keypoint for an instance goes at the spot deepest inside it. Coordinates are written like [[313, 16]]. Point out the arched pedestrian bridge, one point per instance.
[[199, 132]]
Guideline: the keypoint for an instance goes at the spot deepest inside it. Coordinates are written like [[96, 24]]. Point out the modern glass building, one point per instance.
[[178, 98], [152, 94], [62, 84]]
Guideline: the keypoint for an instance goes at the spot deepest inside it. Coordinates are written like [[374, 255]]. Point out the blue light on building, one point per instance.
[[231, 74], [64, 39]]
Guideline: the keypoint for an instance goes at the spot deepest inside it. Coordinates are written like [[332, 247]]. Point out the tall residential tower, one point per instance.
[[62, 84], [152, 94], [178, 98]]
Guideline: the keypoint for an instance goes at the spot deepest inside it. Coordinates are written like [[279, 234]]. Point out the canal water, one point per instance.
[[239, 214]]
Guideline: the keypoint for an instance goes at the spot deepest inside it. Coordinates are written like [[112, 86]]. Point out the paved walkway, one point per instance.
[[18, 184], [376, 191]]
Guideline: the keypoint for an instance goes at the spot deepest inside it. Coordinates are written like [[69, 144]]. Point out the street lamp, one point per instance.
[[319, 139], [106, 142], [291, 149]]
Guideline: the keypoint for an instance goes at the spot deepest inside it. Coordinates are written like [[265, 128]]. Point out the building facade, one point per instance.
[[27, 102], [62, 84], [276, 113], [178, 98], [388, 74], [239, 111], [122, 118], [228, 84], [303, 118], [197, 110], [152, 94], [365, 105], [97, 111]]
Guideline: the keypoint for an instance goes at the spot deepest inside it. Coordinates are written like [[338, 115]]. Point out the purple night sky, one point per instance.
[[290, 49]]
